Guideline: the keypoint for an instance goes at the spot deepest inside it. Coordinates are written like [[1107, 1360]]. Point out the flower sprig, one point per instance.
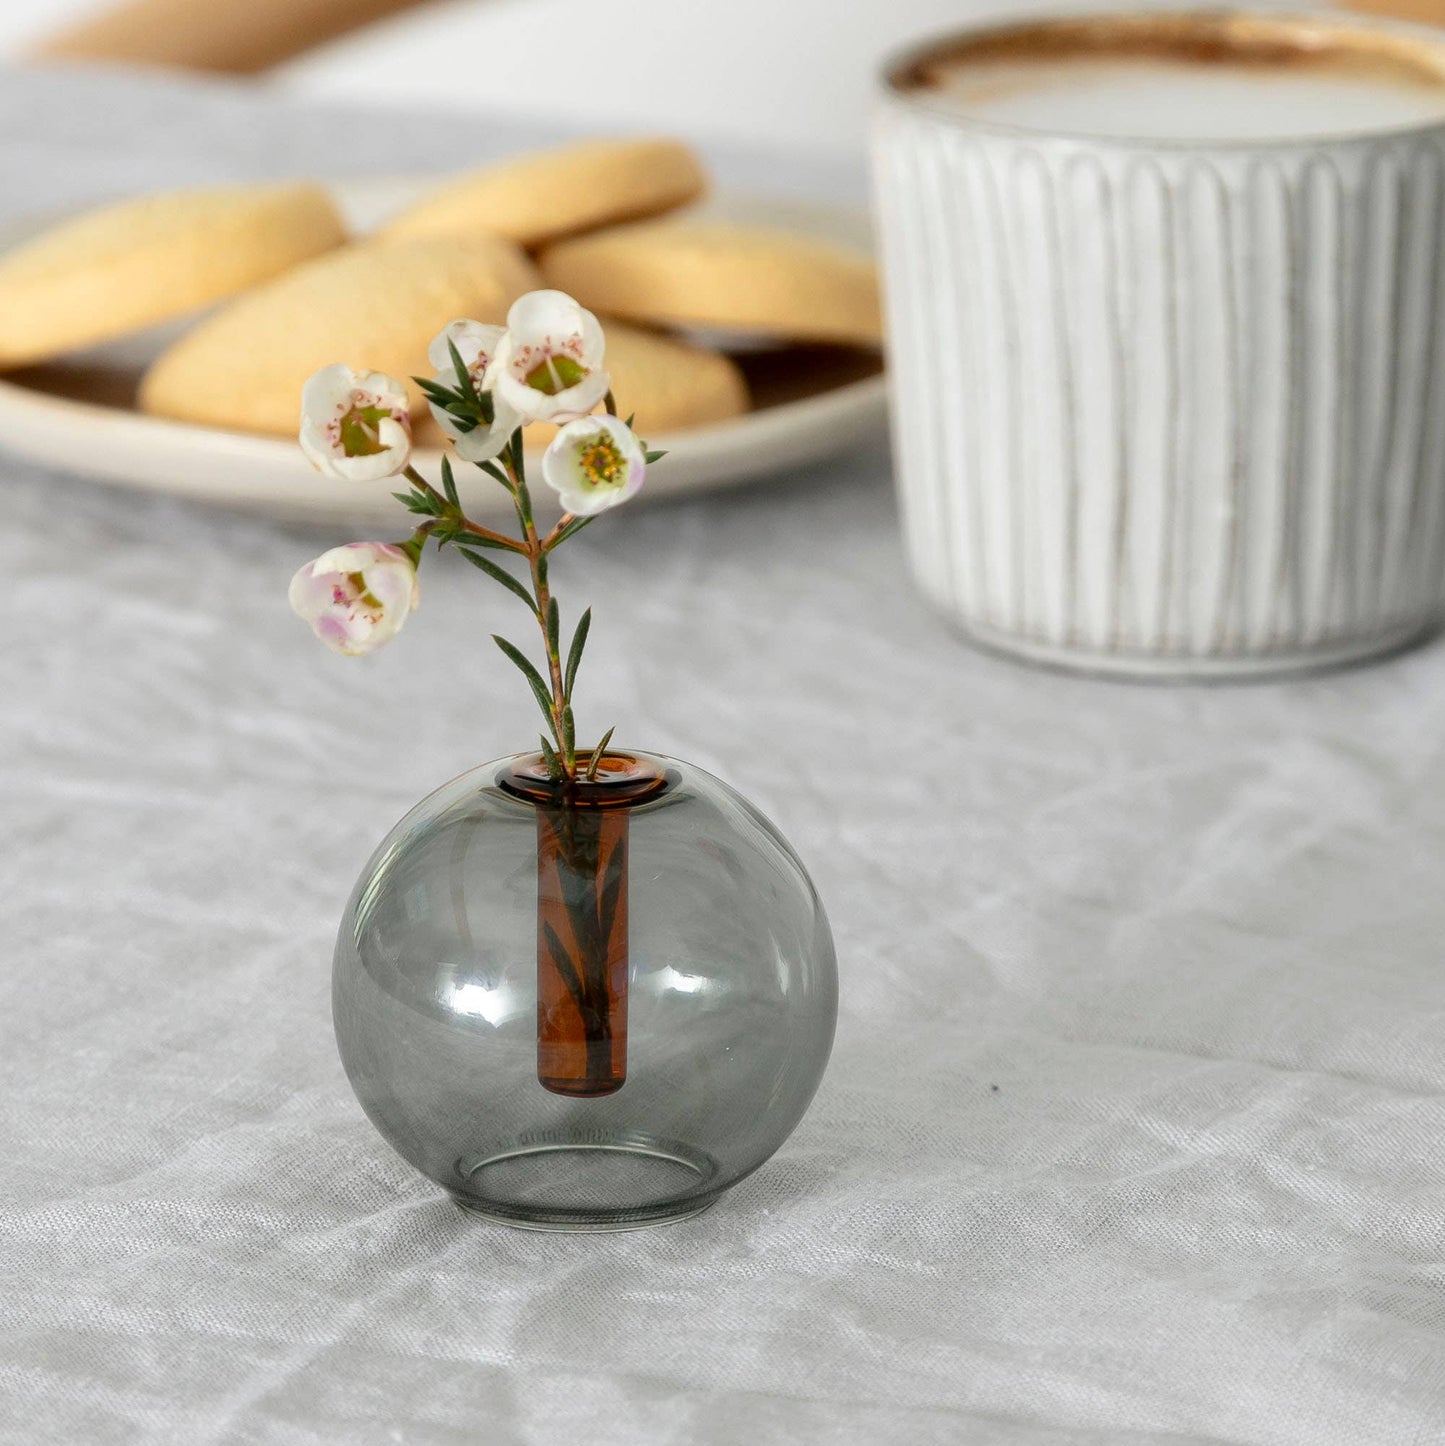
[[490, 382]]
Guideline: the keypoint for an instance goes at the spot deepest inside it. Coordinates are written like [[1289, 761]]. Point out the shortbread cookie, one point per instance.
[[671, 385], [131, 265], [374, 307], [747, 279], [538, 198]]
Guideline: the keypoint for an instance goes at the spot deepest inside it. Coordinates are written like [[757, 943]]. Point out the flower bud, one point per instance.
[[356, 597]]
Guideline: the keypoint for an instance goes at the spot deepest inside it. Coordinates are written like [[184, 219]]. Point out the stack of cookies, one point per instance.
[[290, 293]]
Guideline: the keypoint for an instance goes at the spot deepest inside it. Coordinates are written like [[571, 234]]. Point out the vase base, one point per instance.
[[594, 1225], [588, 1185]]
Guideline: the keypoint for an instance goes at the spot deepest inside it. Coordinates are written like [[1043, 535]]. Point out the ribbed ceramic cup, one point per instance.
[[1166, 407]]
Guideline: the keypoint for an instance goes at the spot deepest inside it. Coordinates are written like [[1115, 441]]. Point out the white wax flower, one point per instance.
[[355, 425], [549, 364], [476, 344], [356, 597], [594, 463]]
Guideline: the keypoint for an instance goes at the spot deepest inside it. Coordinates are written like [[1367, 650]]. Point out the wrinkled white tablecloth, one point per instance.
[[1135, 1127]]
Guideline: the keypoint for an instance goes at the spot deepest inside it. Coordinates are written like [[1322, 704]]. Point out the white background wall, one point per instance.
[[790, 73]]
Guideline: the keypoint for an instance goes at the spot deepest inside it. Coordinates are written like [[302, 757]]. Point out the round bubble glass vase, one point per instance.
[[589, 1006]]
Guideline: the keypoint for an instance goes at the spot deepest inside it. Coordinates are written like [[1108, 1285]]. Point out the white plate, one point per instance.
[[79, 417]]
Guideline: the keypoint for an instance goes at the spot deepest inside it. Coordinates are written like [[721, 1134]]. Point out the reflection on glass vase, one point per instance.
[[585, 1004]]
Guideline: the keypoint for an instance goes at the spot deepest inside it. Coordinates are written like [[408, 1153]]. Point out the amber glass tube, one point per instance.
[[582, 949], [583, 829]]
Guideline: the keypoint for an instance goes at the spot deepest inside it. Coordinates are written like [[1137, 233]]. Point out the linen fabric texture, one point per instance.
[[1133, 1130]]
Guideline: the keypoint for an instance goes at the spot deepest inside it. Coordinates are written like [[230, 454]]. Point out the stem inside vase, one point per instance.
[[582, 958]]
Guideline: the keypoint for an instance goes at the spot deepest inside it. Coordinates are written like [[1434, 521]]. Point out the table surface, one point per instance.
[[1133, 1129]]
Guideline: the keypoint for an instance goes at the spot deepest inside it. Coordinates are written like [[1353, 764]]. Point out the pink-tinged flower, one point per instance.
[[548, 366], [356, 597], [476, 344], [594, 463], [355, 425]]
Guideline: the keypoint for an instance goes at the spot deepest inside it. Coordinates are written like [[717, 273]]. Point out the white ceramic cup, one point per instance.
[[1162, 405]]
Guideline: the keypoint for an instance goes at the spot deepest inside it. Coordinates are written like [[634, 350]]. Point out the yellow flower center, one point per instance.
[[601, 462]]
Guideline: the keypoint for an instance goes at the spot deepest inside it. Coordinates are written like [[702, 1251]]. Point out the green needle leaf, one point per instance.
[[417, 502], [533, 677], [449, 483], [599, 751], [554, 764], [435, 390], [574, 653], [465, 385], [569, 733], [554, 627], [486, 565]]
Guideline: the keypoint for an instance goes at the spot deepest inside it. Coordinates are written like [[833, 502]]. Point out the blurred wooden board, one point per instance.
[[1421, 12], [236, 36], [246, 36]]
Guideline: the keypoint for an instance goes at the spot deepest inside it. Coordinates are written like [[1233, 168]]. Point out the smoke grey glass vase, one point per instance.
[[585, 1007]]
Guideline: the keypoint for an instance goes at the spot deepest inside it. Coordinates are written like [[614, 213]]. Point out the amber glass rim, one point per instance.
[[624, 778]]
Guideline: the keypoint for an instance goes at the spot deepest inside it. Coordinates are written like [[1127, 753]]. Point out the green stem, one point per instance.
[[534, 548], [497, 539], [536, 552], [416, 543], [550, 541]]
